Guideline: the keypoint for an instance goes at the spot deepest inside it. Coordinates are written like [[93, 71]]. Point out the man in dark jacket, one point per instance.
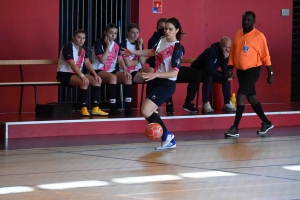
[[214, 57]]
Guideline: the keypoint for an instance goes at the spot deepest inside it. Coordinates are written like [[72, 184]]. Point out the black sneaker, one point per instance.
[[264, 128], [170, 108], [129, 112], [190, 108], [232, 132], [114, 111]]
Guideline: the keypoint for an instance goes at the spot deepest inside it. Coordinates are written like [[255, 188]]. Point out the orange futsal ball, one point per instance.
[[154, 131]]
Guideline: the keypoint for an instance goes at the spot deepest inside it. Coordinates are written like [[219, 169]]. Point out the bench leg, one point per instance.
[[35, 95], [142, 95], [197, 101], [76, 98], [59, 93], [21, 100], [121, 96]]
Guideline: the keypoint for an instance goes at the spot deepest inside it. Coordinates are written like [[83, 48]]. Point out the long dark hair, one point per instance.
[[74, 35], [108, 26], [131, 26], [177, 25]]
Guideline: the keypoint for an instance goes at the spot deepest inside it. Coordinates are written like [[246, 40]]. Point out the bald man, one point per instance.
[[208, 63]]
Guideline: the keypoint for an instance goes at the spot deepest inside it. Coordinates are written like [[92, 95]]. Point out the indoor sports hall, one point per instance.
[[110, 157]]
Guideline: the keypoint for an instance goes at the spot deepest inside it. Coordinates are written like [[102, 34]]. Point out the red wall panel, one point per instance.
[[30, 30]]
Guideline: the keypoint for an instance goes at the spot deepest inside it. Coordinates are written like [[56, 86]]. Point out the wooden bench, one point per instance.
[[183, 61], [24, 83]]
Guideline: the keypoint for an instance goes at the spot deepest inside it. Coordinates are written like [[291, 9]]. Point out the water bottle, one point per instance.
[[233, 99]]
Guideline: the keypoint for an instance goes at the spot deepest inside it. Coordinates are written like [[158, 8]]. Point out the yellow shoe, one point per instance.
[[84, 111], [98, 111]]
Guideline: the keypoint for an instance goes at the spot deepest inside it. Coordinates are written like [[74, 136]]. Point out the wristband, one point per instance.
[[270, 73], [81, 75]]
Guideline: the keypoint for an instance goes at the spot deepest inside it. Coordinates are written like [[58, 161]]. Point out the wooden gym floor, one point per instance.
[[126, 166]]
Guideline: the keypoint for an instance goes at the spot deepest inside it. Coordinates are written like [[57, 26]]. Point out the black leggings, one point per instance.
[[192, 77]]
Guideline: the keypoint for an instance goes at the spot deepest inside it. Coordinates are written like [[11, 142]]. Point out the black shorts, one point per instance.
[[247, 79], [99, 70], [64, 77], [134, 73], [161, 90]]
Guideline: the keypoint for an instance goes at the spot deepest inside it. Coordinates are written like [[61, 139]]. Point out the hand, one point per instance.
[[230, 78], [229, 73], [226, 54], [148, 76], [85, 81], [98, 79], [127, 75], [140, 42], [270, 79], [107, 41], [126, 52]]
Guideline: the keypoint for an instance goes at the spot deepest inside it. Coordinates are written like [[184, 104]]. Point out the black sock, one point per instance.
[[127, 90], [112, 95], [83, 97], [96, 94], [169, 101], [260, 113], [154, 118], [127, 105], [238, 115]]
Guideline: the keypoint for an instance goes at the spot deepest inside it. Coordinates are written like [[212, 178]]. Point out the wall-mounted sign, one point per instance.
[[157, 7]]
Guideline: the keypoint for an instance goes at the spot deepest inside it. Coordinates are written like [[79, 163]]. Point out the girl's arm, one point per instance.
[[142, 59], [145, 53], [149, 76], [104, 56], [89, 66], [129, 62], [123, 66], [74, 67]]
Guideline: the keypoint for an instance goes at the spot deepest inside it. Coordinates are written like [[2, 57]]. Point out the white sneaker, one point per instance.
[[229, 107], [206, 108], [171, 145], [167, 138]]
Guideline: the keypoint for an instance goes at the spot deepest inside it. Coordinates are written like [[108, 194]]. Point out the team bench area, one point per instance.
[[22, 83]]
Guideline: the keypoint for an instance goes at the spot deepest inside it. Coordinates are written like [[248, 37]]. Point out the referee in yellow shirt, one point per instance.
[[249, 52]]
